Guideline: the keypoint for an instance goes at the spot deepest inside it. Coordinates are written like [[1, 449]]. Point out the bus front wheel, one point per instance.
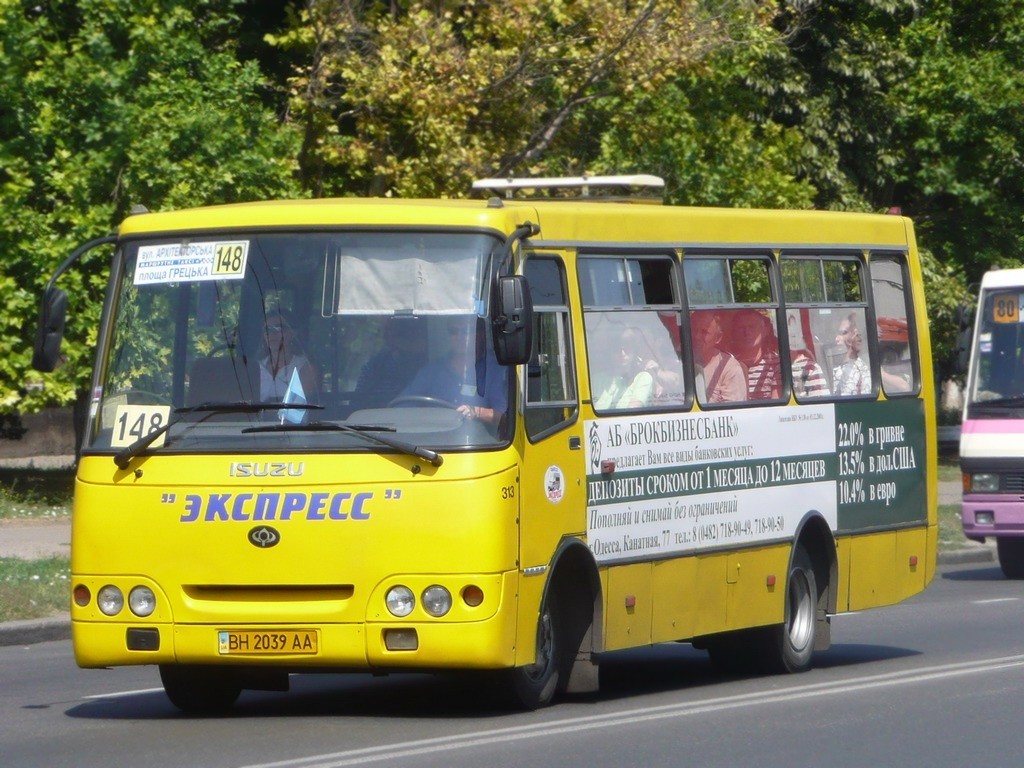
[[534, 685], [199, 690], [1011, 556]]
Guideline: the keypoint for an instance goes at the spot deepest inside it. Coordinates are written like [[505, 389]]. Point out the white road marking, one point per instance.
[[995, 600], [117, 694], [452, 742]]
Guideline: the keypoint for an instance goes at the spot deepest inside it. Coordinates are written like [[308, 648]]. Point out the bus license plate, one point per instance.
[[267, 642]]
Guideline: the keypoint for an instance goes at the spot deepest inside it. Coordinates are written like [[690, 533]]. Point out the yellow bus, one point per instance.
[[507, 434]]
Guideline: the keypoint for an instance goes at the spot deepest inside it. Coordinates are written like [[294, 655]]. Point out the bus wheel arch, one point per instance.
[[568, 633]]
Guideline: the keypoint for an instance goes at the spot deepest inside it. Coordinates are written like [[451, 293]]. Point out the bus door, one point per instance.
[[553, 478]]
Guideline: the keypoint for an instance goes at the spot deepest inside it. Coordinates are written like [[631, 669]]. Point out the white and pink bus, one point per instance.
[[992, 434]]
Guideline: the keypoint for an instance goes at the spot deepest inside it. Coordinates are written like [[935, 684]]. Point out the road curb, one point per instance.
[[980, 554], [29, 631]]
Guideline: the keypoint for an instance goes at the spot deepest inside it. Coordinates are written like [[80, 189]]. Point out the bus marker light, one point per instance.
[[631, 601], [401, 639], [82, 595], [472, 596], [913, 561], [770, 581]]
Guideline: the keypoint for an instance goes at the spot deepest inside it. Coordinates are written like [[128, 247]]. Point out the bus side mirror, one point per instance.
[[964, 316], [512, 320], [50, 334], [962, 355]]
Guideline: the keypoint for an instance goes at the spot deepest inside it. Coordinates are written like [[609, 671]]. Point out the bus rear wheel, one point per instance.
[[1011, 556], [789, 646], [200, 690]]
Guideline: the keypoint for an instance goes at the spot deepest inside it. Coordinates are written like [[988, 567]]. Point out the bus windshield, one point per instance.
[[302, 341], [998, 369]]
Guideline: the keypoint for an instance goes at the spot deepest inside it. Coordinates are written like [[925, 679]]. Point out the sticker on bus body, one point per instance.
[[191, 262], [554, 484]]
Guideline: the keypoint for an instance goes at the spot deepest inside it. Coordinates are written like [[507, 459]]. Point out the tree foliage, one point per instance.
[[421, 101], [108, 104], [844, 104]]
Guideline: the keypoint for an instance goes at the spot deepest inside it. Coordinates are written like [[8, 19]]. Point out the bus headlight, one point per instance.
[[400, 601], [142, 601], [984, 482], [110, 600], [437, 600]]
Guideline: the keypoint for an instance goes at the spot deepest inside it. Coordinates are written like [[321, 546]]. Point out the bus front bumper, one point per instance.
[[260, 635], [991, 515], [479, 645]]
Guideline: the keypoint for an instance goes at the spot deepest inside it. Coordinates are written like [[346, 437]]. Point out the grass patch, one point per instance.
[[33, 589], [949, 473], [951, 532], [35, 494]]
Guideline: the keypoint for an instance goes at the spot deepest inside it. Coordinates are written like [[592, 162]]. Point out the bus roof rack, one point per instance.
[[632, 188]]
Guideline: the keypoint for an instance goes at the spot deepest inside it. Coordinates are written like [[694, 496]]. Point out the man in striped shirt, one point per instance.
[[758, 349]]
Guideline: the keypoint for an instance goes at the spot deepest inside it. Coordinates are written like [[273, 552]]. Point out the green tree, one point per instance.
[[960, 136], [420, 100], [108, 104]]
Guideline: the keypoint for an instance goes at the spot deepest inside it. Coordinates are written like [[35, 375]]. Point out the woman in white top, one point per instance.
[[283, 359]]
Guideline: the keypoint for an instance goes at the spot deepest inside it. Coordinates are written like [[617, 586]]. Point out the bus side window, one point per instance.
[[633, 336], [830, 341], [551, 400], [896, 361]]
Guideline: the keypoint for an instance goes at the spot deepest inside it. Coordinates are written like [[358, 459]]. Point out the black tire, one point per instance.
[[534, 686], [200, 690], [789, 646], [1011, 556]]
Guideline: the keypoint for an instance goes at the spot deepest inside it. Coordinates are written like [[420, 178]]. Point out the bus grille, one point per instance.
[[1013, 482]]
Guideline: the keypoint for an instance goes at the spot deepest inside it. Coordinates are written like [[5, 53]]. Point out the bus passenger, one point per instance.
[[758, 349], [632, 386], [468, 377], [808, 377], [896, 376], [725, 377], [283, 359], [853, 375]]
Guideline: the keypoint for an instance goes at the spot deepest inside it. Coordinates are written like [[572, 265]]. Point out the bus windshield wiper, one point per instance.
[[124, 457], [363, 430]]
